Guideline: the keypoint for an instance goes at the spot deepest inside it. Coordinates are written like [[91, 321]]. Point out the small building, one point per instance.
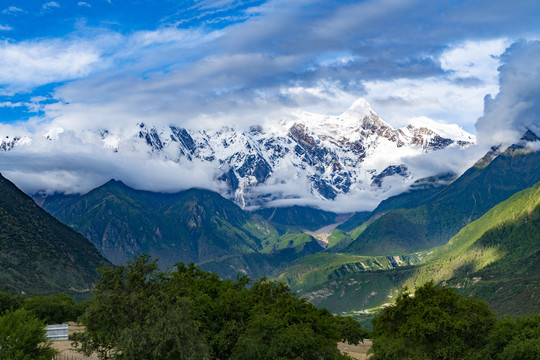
[[57, 332]]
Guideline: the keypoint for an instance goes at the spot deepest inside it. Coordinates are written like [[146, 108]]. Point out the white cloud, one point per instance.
[[516, 107], [455, 98], [29, 64], [73, 164], [400, 101], [5, 28], [474, 59], [50, 5], [82, 3], [12, 10]]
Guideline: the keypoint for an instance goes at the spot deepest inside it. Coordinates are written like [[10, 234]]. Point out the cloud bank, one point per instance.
[[516, 108], [206, 64]]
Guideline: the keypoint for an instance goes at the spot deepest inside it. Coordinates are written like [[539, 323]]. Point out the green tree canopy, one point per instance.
[[135, 316], [22, 337], [53, 309], [435, 323], [514, 339], [142, 312], [9, 301]]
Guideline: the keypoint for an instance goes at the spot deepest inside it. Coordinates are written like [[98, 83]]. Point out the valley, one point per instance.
[[348, 263], [270, 179], [476, 235]]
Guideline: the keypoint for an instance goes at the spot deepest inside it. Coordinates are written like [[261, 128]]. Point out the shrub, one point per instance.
[[22, 337]]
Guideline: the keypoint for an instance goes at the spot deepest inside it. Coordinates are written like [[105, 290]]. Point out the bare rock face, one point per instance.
[[331, 155]]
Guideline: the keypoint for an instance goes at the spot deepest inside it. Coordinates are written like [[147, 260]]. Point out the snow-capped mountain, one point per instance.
[[8, 142], [324, 155]]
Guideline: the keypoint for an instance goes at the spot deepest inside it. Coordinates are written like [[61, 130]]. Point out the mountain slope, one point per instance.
[[194, 225], [302, 217], [421, 189], [515, 277], [440, 216], [38, 254], [257, 265], [496, 257]]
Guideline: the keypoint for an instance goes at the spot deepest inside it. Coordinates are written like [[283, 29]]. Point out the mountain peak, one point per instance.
[[115, 183], [360, 106], [530, 136], [495, 151], [330, 154]]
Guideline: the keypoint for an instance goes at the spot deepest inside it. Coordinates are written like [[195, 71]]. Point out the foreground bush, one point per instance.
[[9, 301], [54, 309], [435, 323], [514, 339], [51, 309], [22, 337], [140, 312]]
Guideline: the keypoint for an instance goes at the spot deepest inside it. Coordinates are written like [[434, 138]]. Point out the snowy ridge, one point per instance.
[[327, 155], [7, 143]]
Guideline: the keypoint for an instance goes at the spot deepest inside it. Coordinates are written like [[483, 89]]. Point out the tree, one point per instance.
[[262, 320], [9, 301], [22, 337], [514, 339], [435, 323], [283, 326], [53, 309], [139, 312], [134, 316]]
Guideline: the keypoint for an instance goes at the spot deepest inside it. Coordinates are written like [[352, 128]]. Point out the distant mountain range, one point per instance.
[[326, 155], [195, 225], [39, 254], [477, 232]]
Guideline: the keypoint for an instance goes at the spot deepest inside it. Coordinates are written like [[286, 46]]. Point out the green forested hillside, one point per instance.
[[190, 226], [495, 258], [257, 265], [511, 283], [423, 189], [193, 225], [301, 217], [38, 254], [503, 265], [471, 250], [441, 215]]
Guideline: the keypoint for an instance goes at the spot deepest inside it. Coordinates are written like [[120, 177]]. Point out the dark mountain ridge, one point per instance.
[[192, 225], [39, 254]]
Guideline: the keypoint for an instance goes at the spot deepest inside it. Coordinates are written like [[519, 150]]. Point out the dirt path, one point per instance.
[[65, 348], [358, 352]]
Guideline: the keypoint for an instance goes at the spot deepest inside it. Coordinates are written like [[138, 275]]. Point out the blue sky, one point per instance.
[[96, 64], [435, 59]]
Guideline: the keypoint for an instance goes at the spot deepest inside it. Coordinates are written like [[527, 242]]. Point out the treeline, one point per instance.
[[141, 312], [51, 309], [23, 319], [437, 323]]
